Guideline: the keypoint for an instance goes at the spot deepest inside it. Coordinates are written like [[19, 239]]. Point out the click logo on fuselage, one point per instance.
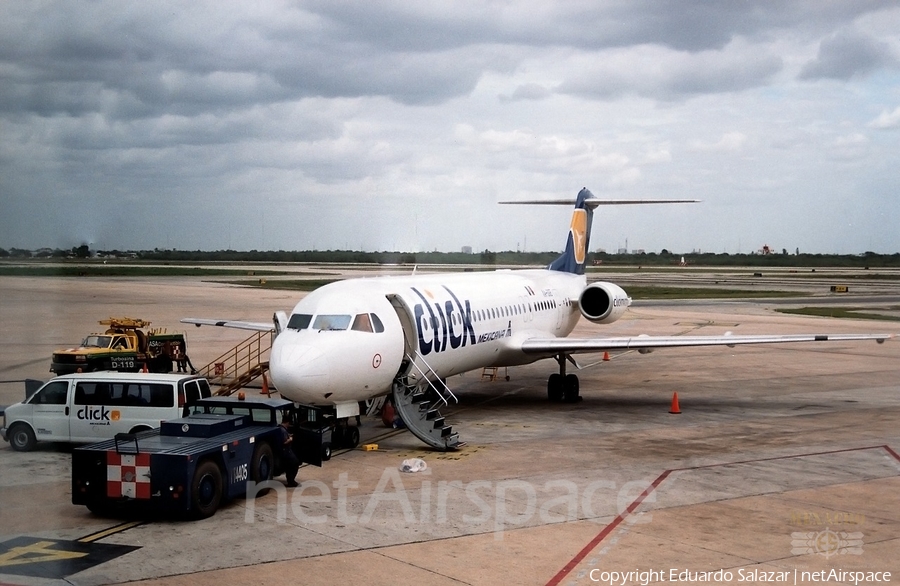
[[445, 332]]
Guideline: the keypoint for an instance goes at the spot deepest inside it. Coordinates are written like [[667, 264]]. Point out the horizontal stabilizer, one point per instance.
[[595, 202]]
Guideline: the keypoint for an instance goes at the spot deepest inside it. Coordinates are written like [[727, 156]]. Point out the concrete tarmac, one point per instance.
[[784, 459]]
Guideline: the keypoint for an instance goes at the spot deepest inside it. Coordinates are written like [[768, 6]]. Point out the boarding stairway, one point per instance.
[[418, 397], [241, 365]]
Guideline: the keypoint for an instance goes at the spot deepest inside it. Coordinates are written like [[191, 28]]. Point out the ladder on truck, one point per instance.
[[241, 365]]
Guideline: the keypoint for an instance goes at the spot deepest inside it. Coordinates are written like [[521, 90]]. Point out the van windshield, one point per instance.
[[97, 342]]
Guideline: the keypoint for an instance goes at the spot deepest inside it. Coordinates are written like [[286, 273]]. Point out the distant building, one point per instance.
[[467, 250], [622, 251]]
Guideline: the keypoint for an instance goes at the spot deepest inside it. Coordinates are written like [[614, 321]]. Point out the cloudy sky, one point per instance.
[[390, 125]]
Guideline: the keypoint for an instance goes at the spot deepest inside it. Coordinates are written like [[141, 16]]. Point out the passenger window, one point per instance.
[[299, 321], [362, 323], [159, 395], [92, 393], [379, 327], [136, 396], [52, 394]]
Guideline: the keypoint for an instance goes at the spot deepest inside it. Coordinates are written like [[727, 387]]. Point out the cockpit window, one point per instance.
[[362, 323], [299, 321], [331, 322], [379, 327]]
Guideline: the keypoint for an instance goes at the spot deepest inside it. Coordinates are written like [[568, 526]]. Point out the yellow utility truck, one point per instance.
[[124, 347]]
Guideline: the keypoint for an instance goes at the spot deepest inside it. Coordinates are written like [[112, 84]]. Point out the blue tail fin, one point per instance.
[[573, 259]]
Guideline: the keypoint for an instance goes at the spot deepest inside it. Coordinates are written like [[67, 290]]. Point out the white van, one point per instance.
[[92, 406]]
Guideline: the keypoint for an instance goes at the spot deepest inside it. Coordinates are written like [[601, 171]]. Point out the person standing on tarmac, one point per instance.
[[289, 460]]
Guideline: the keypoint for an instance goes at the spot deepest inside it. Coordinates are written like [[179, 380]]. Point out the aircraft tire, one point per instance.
[[351, 437], [571, 390], [338, 435], [555, 388]]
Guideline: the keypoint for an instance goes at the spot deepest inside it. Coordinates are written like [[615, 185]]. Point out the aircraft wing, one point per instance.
[[551, 346], [228, 323]]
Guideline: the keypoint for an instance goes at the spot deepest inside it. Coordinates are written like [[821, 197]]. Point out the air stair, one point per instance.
[[241, 365], [418, 398]]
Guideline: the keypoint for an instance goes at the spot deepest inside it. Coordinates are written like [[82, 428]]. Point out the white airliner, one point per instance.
[[358, 339]]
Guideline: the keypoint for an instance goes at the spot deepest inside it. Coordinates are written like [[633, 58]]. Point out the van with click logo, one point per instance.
[[88, 407]]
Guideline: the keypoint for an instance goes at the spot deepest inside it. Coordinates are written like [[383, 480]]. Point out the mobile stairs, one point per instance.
[[418, 397], [241, 365]]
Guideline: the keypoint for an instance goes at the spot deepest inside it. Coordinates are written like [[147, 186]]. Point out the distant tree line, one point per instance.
[[487, 257], [82, 251]]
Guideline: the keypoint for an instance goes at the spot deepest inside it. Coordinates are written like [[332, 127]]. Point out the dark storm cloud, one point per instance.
[[846, 54], [140, 60], [687, 25]]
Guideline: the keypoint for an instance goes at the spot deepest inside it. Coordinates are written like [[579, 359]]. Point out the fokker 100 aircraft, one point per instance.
[[357, 339]]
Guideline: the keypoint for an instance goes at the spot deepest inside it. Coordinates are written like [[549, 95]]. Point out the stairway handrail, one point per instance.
[[440, 395], [239, 360]]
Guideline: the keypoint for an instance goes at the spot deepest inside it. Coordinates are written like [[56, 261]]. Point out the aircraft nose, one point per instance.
[[299, 371]]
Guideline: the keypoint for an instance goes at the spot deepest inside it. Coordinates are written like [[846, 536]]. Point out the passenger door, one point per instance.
[[50, 412]]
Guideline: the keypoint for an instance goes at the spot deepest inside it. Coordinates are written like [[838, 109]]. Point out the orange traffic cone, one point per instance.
[[144, 368], [265, 386], [606, 356], [675, 409]]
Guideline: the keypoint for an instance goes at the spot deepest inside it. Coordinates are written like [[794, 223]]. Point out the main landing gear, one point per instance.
[[562, 387]]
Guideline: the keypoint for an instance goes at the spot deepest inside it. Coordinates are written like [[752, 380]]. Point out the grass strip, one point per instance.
[[845, 312]]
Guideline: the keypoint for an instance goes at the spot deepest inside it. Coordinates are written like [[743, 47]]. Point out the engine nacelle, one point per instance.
[[603, 303]]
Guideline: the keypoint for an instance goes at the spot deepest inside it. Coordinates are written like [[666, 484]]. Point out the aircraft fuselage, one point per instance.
[[348, 340]]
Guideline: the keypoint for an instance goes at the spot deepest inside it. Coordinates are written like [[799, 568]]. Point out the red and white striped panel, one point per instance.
[[127, 475]]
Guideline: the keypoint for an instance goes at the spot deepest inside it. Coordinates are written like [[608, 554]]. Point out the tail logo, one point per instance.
[[578, 229]]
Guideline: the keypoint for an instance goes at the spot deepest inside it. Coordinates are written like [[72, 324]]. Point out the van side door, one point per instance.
[[91, 413], [50, 412]]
